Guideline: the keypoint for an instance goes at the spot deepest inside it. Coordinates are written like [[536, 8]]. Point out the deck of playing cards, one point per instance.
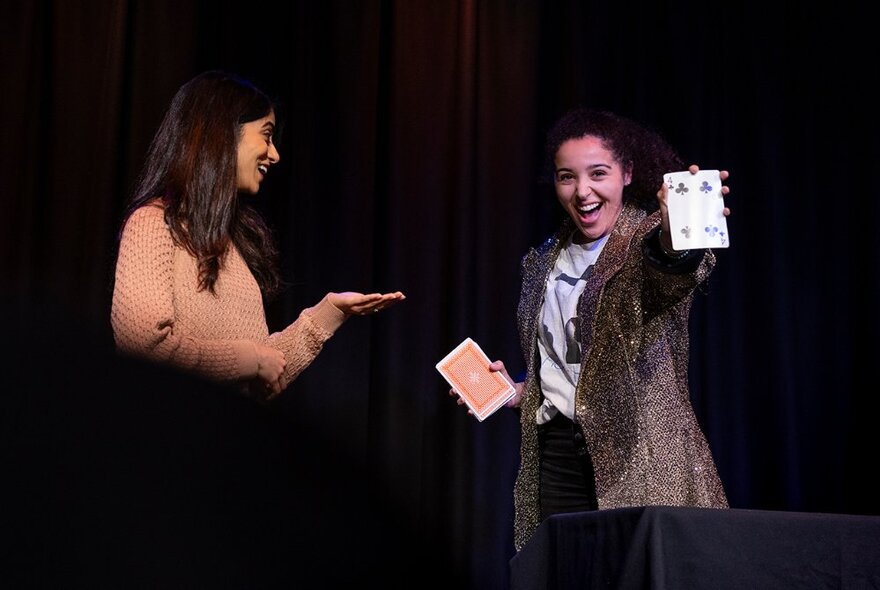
[[466, 369], [696, 210]]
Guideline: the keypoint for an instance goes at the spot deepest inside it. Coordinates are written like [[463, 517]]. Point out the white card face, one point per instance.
[[696, 210]]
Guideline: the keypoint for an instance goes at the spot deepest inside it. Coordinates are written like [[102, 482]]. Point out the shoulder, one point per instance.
[[146, 227], [540, 248], [536, 253], [636, 221], [550, 244], [151, 215]]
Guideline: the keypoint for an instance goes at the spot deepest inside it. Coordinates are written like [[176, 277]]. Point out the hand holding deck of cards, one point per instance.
[[696, 210], [466, 369]]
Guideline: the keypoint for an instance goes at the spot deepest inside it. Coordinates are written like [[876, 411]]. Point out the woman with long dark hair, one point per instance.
[[195, 260]]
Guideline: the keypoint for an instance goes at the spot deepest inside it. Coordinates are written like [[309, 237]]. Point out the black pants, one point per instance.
[[567, 480]]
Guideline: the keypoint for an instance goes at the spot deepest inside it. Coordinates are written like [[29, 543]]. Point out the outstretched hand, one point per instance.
[[351, 303], [663, 200]]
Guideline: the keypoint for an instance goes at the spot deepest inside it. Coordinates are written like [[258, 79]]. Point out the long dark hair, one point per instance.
[[191, 167], [642, 151]]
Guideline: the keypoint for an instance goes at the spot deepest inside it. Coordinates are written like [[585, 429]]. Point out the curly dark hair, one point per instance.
[[642, 151], [191, 169]]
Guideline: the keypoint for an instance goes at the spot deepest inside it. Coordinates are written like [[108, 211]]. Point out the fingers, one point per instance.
[[499, 366], [693, 169], [273, 389], [496, 366], [725, 190], [379, 297], [663, 194], [270, 365], [723, 174], [391, 298], [454, 393], [376, 302], [265, 391]]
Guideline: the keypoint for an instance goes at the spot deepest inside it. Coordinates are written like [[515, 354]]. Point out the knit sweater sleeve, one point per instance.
[[143, 311], [302, 340]]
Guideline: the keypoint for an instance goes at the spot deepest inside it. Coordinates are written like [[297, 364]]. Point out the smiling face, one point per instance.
[[256, 153], [589, 185]]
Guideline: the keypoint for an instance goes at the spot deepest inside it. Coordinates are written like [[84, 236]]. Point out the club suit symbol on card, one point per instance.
[[696, 201]]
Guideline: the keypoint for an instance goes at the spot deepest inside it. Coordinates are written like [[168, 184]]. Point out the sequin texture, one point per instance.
[[632, 399]]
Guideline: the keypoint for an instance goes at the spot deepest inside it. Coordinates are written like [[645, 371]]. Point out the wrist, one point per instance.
[[669, 252]]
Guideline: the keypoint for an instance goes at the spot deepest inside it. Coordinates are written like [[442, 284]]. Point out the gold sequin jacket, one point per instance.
[[632, 398]]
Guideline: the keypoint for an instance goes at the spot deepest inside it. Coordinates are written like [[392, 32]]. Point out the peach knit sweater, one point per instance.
[[158, 312]]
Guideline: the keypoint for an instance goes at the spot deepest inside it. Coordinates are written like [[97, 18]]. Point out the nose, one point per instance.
[[274, 156], [584, 189]]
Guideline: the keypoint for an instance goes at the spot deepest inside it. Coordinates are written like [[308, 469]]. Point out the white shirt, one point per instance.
[[559, 330]]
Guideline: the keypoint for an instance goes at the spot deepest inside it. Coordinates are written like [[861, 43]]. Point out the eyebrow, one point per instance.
[[590, 167], [269, 124]]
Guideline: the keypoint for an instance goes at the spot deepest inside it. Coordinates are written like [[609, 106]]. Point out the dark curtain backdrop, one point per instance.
[[411, 160]]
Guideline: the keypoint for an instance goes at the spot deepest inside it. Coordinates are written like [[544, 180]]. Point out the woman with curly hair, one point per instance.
[[195, 260], [605, 412]]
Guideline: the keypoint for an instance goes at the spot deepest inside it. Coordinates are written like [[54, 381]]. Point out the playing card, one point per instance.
[[696, 210], [466, 369]]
